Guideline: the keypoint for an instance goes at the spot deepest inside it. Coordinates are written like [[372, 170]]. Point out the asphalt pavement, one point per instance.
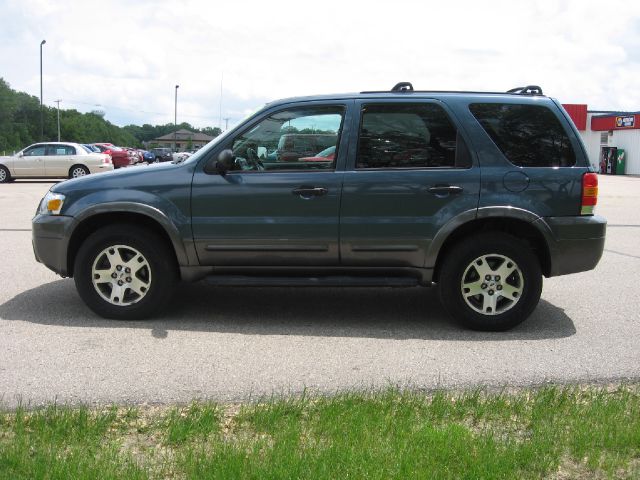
[[237, 344]]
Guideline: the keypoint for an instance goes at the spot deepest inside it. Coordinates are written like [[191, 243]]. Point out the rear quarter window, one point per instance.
[[527, 135]]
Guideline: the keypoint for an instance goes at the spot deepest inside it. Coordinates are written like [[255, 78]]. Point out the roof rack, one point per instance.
[[528, 90], [407, 87], [402, 87]]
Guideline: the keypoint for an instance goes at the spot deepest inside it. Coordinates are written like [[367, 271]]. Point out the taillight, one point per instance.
[[107, 151], [589, 193], [107, 159]]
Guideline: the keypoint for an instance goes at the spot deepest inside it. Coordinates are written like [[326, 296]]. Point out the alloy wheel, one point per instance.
[[121, 275], [78, 172], [492, 284]]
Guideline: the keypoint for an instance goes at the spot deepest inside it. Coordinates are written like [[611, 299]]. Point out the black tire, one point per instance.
[[73, 171], [160, 260], [459, 269], [5, 176]]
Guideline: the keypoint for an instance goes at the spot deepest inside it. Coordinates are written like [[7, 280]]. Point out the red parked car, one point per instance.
[[119, 156], [327, 155]]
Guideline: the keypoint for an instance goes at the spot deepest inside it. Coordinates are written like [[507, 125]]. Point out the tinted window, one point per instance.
[[296, 139], [528, 135], [408, 136]]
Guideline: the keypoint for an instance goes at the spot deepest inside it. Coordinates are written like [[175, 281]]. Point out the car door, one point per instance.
[[30, 162], [267, 211], [409, 173], [59, 160]]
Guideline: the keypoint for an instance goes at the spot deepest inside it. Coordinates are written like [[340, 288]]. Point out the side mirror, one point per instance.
[[220, 168], [20, 154], [222, 165]]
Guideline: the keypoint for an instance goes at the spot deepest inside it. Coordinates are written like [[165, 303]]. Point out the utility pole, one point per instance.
[[175, 120], [41, 107], [226, 123], [58, 102]]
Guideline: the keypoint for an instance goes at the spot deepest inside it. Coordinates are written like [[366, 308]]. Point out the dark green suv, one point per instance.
[[482, 194]]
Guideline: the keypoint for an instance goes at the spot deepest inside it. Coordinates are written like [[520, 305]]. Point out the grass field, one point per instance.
[[553, 432]]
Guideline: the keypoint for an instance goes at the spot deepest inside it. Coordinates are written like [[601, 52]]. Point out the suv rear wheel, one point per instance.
[[124, 272], [491, 281]]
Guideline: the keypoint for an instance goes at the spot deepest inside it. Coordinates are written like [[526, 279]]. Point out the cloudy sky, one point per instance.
[[126, 57]]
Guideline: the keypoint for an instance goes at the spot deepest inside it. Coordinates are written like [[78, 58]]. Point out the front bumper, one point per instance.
[[577, 244], [50, 238]]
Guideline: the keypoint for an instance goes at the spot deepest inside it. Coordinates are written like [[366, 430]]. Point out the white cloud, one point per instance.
[[128, 58]]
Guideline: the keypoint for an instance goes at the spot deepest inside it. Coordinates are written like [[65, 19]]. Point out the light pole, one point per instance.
[[175, 119], [41, 107], [58, 102]]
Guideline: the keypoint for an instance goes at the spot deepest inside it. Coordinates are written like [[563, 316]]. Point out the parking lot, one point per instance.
[[236, 343]]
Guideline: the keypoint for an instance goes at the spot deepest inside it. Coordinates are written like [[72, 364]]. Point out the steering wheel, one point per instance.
[[254, 160]]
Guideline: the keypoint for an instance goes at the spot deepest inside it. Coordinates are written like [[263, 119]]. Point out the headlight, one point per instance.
[[51, 204]]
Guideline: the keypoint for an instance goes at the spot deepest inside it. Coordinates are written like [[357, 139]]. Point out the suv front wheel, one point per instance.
[[491, 281], [124, 272]]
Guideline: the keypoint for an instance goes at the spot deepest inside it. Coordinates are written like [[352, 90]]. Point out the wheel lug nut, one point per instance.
[[484, 285], [487, 277], [119, 267], [120, 282], [113, 275], [499, 287], [128, 279], [497, 278], [127, 270], [490, 292]]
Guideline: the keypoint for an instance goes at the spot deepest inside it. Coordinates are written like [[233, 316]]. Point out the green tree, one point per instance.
[[20, 125]]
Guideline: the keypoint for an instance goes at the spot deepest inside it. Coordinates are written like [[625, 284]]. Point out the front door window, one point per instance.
[[296, 139]]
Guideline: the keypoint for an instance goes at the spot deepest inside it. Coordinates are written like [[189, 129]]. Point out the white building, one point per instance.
[[609, 129]]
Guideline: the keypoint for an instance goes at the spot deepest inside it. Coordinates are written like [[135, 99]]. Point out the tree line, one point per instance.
[[20, 125]]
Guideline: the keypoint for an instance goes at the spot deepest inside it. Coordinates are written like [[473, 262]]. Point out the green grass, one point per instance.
[[554, 432]]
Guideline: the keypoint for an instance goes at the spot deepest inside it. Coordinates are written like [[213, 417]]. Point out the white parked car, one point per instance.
[[53, 159]]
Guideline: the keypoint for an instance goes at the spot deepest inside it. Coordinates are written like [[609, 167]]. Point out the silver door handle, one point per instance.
[[310, 191], [445, 189]]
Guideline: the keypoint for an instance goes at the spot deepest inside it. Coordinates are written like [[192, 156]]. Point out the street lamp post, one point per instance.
[[175, 119], [58, 102], [41, 106]]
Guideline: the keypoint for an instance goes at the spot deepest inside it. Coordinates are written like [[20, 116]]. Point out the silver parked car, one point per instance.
[[53, 159]]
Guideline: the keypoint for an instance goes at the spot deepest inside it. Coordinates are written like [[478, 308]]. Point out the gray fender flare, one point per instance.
[[483, 213], [140, 209]]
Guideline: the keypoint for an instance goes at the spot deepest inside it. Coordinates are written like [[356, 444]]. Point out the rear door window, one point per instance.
[[527, 135], [61, 150], [406, 135]]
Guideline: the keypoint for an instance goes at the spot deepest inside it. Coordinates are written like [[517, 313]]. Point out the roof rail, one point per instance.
[[528, 90], [407, 87]]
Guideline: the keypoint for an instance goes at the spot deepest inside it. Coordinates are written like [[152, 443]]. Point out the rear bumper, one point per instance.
[[105, 167], [576, 243], [50, 238]]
